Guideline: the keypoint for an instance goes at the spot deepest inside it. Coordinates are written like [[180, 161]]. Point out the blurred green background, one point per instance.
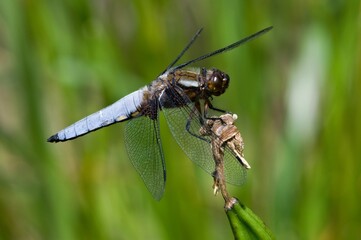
[[296, 91]]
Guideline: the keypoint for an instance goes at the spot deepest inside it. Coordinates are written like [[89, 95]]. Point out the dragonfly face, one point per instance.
[[177, 92], [217, 83]]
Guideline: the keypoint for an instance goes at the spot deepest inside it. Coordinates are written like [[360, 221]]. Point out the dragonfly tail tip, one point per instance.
[[54, 138]]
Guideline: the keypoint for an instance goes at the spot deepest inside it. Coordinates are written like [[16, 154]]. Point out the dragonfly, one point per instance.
[[184, 95]]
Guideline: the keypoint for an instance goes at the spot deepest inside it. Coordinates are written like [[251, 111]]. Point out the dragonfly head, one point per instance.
[[217, 82]]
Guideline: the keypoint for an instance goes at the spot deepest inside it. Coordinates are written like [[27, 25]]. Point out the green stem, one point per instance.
[[245, 224]]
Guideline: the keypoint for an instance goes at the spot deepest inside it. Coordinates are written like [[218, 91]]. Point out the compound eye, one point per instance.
[[218, 83]]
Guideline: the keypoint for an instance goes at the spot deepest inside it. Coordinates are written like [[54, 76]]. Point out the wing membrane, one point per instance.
[[145, 152], [184, 122]]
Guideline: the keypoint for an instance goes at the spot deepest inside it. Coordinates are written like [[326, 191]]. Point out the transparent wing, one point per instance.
[[184, 121], [234, 172], [144, 148]]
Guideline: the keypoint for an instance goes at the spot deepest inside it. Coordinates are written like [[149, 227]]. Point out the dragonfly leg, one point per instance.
[[208, 105], [189, 122]]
